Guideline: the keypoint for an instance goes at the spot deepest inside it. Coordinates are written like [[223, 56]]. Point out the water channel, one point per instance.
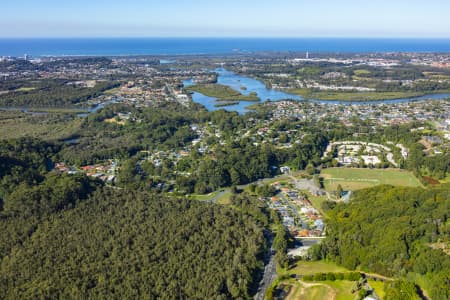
[[246, 85]]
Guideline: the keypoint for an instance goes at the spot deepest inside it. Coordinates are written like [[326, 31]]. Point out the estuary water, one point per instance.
[[246, 85]]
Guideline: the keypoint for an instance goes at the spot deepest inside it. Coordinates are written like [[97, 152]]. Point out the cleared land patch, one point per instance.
[[338, 290], [355, 179], [313, 267]]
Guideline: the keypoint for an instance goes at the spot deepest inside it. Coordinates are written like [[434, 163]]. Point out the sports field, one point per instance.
[[355, 179]]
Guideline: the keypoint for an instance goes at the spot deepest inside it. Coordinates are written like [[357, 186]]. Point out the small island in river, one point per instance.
[[222, 93]]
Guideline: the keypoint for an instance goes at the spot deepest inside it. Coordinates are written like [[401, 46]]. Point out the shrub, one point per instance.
[[331, 276]]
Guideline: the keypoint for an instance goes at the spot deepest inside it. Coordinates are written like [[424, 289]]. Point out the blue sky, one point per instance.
[[233, 18]]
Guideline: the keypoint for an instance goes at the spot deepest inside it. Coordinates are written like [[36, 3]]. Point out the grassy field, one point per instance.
[[445, 180], [313, 267], [47, 127], [333, 290], [222, 92], [342, 288], [318, 291], [359, 96], [225, 198], [317, 201], [362, 72], [24, 89], [295, 291], [378, 286], [221, 197], [206, 197], [336, 290], [355, 179]]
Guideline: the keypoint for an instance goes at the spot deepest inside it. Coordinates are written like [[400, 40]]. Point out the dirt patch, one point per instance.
[[303, 293], [426, 144], [430, 180]]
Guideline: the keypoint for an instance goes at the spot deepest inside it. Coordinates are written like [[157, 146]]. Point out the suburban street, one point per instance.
[[293, 209]]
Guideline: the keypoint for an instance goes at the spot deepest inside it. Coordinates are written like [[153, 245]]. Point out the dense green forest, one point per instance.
[[24, 161], [391, 230], [123, 244], [69, 237]]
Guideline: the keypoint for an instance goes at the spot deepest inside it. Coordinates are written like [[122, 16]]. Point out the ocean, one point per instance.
[[37, 47]]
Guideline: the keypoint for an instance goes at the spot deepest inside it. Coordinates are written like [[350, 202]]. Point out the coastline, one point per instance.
[[67, 47]]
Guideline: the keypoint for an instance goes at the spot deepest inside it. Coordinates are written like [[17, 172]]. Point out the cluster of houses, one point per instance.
[[435, 144], [105, 171], [297, 212], [377, 114], [155, 85], [287, 79], [122, 118], [311, 84], [350, 153], [142, 93], [158, 157]]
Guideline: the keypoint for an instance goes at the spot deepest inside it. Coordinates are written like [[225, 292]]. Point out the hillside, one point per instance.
[[134, 245], [390, 230]]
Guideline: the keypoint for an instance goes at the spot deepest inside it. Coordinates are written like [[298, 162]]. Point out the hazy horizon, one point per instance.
[[236, 19], [231, 37]]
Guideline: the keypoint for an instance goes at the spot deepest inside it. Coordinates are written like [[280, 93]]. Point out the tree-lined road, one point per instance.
[[270, 274]]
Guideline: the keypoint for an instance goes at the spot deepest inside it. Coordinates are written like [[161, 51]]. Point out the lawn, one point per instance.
[[206, 197], [295, 291], [339, 290], [313, 267], [362, 72], [336, 290], [343, 289], [445, 180], [25, 89], [317, 201], [315, 292], [222, 197], [282, 179], [355, 179], [225, 198], [378, 286]]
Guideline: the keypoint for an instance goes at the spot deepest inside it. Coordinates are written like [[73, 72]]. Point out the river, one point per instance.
[[246, 85]]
